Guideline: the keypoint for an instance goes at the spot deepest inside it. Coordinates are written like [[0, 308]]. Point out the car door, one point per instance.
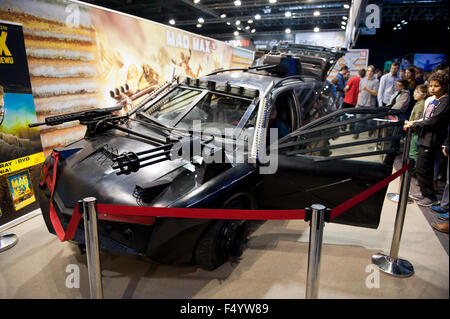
[[332, 159]]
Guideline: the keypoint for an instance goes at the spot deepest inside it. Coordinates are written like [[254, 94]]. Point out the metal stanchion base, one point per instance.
[[7, 241], [394, 267], [395, 197]]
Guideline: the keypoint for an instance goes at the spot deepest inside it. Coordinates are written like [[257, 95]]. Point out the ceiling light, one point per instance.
[[404, 22], [316, 13], [237, 3], [250, 21], [201, 20], [257, 17], [346, 6], [199, 25], [343, 22], [273, 1], [239, 28], [287, 31], [342, 27], [172, 21], [253, 30], [316, 29], [236, 33], [228, 22], [344, 17], [395, 28], [247, 27], [238, 22], [288, 14], [196, 1], [223, 15]]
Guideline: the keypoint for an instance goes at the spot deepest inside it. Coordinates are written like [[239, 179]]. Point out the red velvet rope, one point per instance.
[[62, 234], [335, 212], [147, 214]]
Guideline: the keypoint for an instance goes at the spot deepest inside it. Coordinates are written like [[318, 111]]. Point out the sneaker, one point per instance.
[[417, 196], [440, 227], [443, 216], [439, 209], [427, 202], [356, 136]]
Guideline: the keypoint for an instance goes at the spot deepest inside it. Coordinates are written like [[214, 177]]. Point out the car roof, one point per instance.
[[240, 78]]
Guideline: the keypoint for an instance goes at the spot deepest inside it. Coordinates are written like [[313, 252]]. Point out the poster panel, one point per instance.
[[79, 54], [324, 39], [428, 61], [355, 59], [21, 151]]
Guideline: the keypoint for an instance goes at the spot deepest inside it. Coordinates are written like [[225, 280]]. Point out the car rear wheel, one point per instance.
[[222, 240]]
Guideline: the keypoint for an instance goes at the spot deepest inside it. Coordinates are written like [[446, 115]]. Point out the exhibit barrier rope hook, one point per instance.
[[92, 248]]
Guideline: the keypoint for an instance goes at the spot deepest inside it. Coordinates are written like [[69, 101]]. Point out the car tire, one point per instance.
[[208, 253], [222, 240]]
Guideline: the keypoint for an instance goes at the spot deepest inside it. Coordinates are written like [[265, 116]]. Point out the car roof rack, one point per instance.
[[257, 68]]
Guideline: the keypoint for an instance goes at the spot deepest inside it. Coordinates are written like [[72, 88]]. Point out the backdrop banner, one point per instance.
[[20, 146], [78, 53]]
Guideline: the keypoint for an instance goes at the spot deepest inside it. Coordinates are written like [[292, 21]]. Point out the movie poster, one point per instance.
[[21, 151], [21, 189]]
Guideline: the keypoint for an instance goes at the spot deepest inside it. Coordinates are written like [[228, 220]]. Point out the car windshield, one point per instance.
[[215, 112]]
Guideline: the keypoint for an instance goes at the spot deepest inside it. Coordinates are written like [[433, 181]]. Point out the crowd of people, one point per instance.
[[423, 98]]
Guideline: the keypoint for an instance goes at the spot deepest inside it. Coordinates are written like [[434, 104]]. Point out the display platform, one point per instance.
[[273, 265]]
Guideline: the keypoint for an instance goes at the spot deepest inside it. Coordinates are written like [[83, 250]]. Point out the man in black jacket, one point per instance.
[[433, 130]]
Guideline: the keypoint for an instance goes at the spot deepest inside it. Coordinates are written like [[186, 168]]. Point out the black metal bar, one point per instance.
[[159, 148], [318, 138], [331, 158], [311, 150], [337, 124], [154, 156], [148, 137]]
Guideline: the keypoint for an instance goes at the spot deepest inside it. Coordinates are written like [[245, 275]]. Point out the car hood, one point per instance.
[[87, 170]]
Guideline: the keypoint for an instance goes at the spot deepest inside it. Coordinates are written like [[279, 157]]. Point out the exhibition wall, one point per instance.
[[75, 54]]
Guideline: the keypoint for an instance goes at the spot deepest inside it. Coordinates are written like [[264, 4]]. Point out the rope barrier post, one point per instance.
[[316, 215], [89, 208], [7, 241], [392, 264], [395, 197]]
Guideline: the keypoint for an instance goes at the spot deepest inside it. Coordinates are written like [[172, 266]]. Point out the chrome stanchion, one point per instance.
[[392, 264], [316, 215], [395, 197], [7, 241], [92, 248]]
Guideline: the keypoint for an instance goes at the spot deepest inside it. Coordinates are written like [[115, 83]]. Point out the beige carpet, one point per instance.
[[273, 266]]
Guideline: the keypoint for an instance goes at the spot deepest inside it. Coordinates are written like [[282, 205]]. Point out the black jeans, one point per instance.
[[425, 171]]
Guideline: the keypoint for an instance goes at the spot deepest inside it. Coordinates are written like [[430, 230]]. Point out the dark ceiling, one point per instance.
[[273, 19]]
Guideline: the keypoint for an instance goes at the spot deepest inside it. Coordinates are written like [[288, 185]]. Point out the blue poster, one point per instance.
[[428, 61]]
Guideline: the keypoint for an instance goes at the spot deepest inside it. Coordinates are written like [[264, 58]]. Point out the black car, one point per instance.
[[206, 143]]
